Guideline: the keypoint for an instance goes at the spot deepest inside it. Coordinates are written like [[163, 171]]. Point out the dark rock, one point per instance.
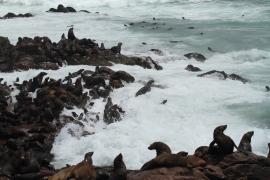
[[237, 78], [122, 75], [112, 112], [196, 56], [219, 74], [12, 15], [192, 68]]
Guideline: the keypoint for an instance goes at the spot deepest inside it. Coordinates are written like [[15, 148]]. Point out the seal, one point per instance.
[[117, 49], [160, 148], [119, 169], [71, 35], [225, 144], [245, 143], [165, 160], [145, 89], [83, 171], [267, 88]]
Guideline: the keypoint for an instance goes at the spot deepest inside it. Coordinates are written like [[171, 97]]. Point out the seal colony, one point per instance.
[[32, 117]]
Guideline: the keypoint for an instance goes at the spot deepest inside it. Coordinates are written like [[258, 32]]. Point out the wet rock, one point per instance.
[[122, 75], [12, 15], [145, 89], [192, 68], [219, 74], [248, 171], [112, 112], [237, 78], [196, 56], [62, 9], [223, 76]]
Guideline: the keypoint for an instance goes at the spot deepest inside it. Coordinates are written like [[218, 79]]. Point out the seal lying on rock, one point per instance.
[[160, 148], [173, 160], [245, 143], [225, 144], [119, 169], [146, 88]]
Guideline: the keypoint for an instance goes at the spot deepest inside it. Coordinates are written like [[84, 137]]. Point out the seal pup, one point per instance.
[[119, 169], [145, 89], [117, 49], [245, 143], [71, 35], [160, 148], [225, 144]]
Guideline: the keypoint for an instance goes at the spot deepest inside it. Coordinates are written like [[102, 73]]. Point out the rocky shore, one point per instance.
[[31, 116]]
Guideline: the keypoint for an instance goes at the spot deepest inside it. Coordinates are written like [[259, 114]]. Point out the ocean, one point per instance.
[[237, 31]]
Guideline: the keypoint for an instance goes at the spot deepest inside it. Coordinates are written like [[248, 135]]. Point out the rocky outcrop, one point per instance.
[[196, 56], [29, 125], [42, 53], [223, 76], [192, 68], [11, 15]]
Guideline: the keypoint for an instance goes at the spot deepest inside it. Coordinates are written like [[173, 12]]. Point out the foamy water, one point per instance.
[[239, 33]]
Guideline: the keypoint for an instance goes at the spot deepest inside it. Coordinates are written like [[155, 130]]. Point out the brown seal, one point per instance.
[[225, 144], [165, 160], [245, 143], [160, 148], [119, 169], [83, 171]]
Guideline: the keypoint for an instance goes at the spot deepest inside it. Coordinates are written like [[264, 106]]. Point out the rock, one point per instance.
[[192, 68], [12, 15], [175, 173], [219, 74], [237, 78], [223, 76], [122, 75], [62, 9], [145, 89], [196, 56], [214, 172], [243, 158], [248, 171], [112, 112]]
